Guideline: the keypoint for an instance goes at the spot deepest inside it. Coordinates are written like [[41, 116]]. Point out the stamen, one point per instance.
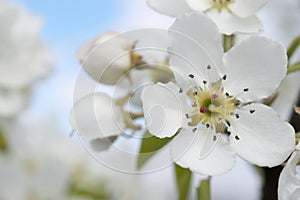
[[252, 111], [194, 130], [204, 82], [195, 93], [220, 119], [214, 96], [194, 104], [237, 103], [207, 125], [191, 76], [237, 116], [180, 90], [224, 77], [228, 123], [237, 137], [187, 116], [208, 67], [203, 109], [227, 94], [246, 89]]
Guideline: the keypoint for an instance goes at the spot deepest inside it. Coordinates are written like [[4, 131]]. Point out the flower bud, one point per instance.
[[108, 57]]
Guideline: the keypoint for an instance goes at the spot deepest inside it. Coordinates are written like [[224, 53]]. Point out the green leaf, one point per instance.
[[204, 190], [149, 147], [183, 177]]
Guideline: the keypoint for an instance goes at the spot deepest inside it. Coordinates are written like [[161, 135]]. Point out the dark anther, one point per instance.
[[195, 93], [180, 90], [237, 116], [191, 76], [194, 104], [252, 111], [237, 103], [208, 67], [194, 130], [204, 82], [237, 137], [246, 89], [187, 116], [214, 138], [224, 77], [227, 94], [228, 123], [207, 125]]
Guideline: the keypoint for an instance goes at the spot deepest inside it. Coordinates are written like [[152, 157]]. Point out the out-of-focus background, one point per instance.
[[46, 159]]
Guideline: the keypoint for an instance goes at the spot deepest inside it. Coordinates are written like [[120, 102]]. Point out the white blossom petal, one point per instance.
[[164, 109], [199, 5], [139, 79], [97, 116], [289, 183], [257, 65], [169, 7], [246, 8], [187, 151], [288, 94], [229, 23], [259, 136], [196, 43], [107, 58]]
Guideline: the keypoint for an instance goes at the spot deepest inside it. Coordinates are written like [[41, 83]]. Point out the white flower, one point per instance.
[[108, 57], [289, 181], [231, 16], [213, 106], [98, 117], [23, 57]]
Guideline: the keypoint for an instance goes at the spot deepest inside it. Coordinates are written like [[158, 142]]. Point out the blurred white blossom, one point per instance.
[[23, 56], [42, 164]]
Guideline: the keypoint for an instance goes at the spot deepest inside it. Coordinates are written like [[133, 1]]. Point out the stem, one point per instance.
[[295, 67], [136, 115], [294, 45], [204, 190], [3, 143], [228, 42], [183, 178]]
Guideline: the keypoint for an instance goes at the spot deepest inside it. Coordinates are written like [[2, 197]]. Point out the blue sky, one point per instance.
[[73, 18], [66, 25]]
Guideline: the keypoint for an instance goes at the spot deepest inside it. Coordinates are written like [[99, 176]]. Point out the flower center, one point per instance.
[[211, 106], [221, 4]]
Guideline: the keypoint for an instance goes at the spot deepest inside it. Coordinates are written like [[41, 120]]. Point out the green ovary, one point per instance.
[[222, 4]]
